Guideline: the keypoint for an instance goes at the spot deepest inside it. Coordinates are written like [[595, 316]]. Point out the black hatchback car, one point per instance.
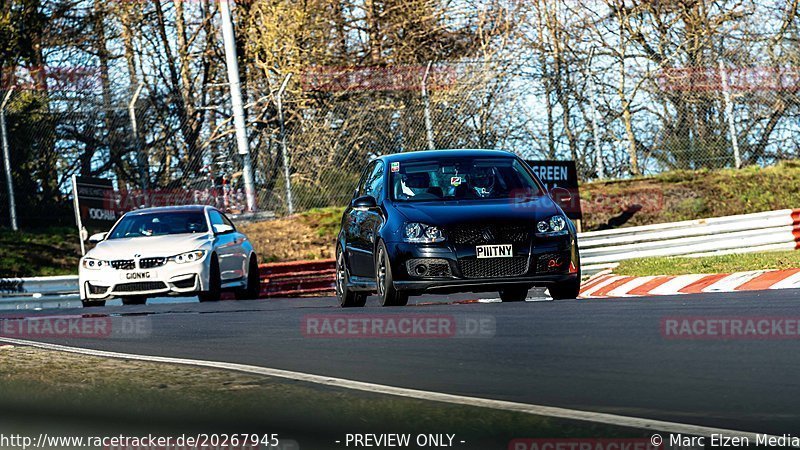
[[449, 221]]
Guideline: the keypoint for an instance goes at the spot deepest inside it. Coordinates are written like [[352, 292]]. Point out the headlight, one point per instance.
[[419, 232], [554, 226], [543, 227], [557, 223], [188, 257], [95, 264]]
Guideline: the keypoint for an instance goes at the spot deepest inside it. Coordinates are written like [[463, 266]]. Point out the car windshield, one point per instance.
[[160, 224], [461, 179]]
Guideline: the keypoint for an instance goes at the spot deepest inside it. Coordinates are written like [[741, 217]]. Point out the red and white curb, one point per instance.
[[610, 285]]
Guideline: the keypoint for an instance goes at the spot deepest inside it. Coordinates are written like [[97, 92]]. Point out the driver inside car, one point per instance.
[[482, 182], [418, 186]]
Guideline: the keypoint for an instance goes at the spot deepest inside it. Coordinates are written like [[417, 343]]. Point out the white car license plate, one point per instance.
[[494, 251], [137, 276]]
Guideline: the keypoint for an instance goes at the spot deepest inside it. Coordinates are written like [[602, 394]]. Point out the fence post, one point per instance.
[[726, 94], [236, 104], [600, 163], [287, 172], [427, 102], [141, 157], [12, 206]]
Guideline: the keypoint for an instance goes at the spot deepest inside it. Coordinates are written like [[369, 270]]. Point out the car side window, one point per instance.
[[362, 184], [216, 218], [228, 221], [374, 184]]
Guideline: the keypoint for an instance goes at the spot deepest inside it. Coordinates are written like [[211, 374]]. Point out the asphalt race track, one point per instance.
[[596, 355]]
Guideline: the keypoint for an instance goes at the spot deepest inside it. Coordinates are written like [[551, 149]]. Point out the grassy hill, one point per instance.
[[686, 195]]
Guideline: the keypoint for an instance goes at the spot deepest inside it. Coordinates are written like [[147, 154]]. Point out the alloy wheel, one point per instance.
[[381, 273]]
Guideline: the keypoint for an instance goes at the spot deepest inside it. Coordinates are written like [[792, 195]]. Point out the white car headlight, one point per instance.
[[554, 226], [188, 257], [421, 233], [95, 264]]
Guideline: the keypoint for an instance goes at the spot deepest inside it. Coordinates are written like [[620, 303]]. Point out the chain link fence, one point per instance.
[[604, 102]]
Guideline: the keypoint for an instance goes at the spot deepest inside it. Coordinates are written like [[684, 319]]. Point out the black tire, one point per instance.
[[346, 296], [134, 300], [384, 281], [253, 288], [214, 283], [568, 290], [514, 294], [93, 303]]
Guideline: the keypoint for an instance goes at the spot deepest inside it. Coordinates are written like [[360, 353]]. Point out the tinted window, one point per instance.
[[216, 218], [374, 182], [463, 178], [227, 221], [362, 184], [159, 224]]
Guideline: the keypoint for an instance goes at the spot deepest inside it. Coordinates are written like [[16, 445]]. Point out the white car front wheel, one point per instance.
[[212, 294]]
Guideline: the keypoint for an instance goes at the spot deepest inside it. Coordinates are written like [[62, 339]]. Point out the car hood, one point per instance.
[[448, 213], [152, 246]]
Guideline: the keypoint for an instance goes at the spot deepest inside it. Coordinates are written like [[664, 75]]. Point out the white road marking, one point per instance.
[[732, 281], [622, 291], [791, 282], [672, 286], [550, 411], [589, 292]]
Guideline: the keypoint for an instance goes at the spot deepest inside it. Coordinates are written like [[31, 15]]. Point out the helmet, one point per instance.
[[482, 181]]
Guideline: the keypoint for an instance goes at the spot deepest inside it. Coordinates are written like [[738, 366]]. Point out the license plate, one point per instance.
[[494, 251], [137, 276]]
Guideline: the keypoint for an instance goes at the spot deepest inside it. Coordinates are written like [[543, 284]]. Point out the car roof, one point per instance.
[[438, 154], [168, 209]]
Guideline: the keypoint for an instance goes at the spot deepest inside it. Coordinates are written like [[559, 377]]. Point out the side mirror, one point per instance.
[[364, 203], [222, 228], [98, 237], [560, 195]]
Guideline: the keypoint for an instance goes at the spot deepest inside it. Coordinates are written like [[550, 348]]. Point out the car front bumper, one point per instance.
[[169, 279], [541, 262]]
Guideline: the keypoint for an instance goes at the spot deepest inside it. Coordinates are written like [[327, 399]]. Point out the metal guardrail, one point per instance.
[[600, 250], [765, 231], [10, 287]]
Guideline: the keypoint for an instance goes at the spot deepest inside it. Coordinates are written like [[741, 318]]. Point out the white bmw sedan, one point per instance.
[[182, 250]]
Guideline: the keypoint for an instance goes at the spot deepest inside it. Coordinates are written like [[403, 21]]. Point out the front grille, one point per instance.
[[149, 263], [123, 264], [140, 286], [490, 234], [493, 267], [560, 261], [434, 268], [97, 289], [185, 284]]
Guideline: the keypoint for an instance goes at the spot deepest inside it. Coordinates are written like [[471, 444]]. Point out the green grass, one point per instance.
[[122, 392], [711, 264], [43, 252], [685, 195], [325, 221]]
